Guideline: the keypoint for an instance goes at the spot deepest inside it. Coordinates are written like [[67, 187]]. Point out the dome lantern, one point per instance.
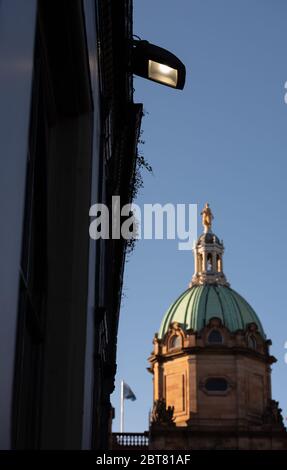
[[208, 254]]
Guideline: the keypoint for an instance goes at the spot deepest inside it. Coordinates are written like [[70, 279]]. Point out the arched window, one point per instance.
[[209, 262], [251, 341], [215, 337], [175, 342], [216, 384]]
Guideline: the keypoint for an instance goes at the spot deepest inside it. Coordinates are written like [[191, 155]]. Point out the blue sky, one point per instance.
[[223, 139]]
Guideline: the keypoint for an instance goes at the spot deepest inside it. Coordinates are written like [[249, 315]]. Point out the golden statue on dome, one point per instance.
[[207, 218]]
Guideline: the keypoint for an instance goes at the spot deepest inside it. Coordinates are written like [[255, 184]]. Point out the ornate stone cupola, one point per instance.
[[208, 254], [211, 365]]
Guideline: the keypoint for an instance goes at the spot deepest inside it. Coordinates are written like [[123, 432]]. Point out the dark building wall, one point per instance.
[[82, 149], [54, 272], [91, 20], [16, 55], [121, 120]]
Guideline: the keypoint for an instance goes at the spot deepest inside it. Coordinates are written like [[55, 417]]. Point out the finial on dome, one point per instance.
[[207, 218]]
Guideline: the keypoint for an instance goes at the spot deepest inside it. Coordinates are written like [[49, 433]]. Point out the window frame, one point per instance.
[[178, 339], [220, 393], [252, 342], [215, 343]]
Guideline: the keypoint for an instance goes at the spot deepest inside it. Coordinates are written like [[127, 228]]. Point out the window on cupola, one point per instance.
[[215, 337], [175, 342], [216, 384], [209, 262], [252, 343]]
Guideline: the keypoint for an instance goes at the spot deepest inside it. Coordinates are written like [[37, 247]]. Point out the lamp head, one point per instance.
[[157, 64]]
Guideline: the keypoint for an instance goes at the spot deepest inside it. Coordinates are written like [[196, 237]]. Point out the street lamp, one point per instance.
[[157, 64]]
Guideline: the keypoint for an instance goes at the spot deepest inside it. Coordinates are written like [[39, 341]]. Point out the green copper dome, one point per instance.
[[198, 304]]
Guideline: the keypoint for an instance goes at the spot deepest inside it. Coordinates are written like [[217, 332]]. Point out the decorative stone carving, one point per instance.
[[252, 327], [162, 415], [273, 414], [207, 218]]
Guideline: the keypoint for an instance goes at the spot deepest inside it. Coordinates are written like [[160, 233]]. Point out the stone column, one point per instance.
[[214, 262], [204, 261]]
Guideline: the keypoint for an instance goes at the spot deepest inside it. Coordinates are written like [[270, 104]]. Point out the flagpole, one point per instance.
[[122, 406]]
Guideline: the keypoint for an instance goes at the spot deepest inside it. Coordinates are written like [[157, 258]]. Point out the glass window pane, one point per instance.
[[216, 384]]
